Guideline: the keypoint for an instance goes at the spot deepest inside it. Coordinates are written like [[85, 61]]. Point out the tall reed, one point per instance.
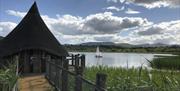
[[136, 79], [8, 77]]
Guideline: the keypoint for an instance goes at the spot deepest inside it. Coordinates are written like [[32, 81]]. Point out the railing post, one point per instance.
[[78, 71], [73, 62], [76, 62], [83, 62], [65, 75], [101, 81]]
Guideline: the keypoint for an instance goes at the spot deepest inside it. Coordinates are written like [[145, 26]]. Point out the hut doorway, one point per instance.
[[33, 61]]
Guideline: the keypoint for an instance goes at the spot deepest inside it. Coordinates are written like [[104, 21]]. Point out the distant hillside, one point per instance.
[[97, 43], [153, 45], [125, 44]]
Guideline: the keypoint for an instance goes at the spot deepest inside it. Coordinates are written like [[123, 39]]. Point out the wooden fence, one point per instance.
[[66, 74]]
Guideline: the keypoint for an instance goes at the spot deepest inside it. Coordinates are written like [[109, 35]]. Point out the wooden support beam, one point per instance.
[[26, 60], [49, 59], [83, 62]]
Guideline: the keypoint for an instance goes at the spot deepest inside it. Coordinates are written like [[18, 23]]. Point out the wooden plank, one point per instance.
[[34, 82]]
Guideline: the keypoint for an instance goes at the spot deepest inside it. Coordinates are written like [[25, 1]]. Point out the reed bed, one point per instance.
[[8, 77], [162, 62], [136, 79]]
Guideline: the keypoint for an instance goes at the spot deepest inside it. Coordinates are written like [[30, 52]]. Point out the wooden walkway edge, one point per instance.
[[34, 82]]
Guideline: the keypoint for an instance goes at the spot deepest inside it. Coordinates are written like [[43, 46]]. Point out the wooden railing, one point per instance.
[[66, 74]]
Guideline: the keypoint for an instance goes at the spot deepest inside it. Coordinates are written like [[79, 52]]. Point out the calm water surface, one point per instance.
[[119, 59]]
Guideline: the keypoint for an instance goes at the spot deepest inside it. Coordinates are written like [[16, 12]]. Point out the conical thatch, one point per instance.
[[31, 33]]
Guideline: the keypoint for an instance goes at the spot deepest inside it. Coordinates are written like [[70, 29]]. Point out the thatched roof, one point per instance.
[[31, 33]]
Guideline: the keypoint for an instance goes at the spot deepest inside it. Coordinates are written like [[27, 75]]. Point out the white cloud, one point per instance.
[[16, 13], [115, 1], [122, 1], [156, 3], [103, 23], [100, 23], [113, 8], [131, 11], [172, 27], [164, 32], [6, 27], [150, 3], [151, 31], [165, 39], [106, 27], [122, 8]]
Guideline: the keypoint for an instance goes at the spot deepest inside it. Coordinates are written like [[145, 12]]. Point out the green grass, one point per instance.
[[120, 79], [8, 77], [171, 62]]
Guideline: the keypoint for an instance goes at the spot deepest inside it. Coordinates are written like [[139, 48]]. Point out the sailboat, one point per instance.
[[98, 53]]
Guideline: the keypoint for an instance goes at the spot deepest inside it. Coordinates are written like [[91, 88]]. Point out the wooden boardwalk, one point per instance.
[[34, 82]]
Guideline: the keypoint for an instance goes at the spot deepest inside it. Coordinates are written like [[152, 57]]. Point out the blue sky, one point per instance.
[[120, 21]]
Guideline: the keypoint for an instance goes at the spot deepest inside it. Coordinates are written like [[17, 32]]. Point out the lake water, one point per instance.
[[119, 59]]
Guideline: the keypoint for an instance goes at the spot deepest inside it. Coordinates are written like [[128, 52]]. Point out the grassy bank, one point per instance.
[[170, 62], [120, 79]]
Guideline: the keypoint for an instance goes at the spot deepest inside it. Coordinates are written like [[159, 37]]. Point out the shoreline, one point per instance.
[[129, 52]]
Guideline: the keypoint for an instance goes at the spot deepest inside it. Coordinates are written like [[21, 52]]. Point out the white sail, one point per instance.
[[97, 50], [98, 53]]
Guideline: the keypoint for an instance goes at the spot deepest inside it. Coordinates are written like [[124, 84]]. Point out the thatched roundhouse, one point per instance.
[[32, 42]]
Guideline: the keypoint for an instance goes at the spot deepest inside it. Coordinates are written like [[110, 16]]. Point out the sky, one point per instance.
[[118, 21]]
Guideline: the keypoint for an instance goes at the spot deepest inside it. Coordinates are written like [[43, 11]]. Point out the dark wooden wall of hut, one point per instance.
[[32, 61]]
